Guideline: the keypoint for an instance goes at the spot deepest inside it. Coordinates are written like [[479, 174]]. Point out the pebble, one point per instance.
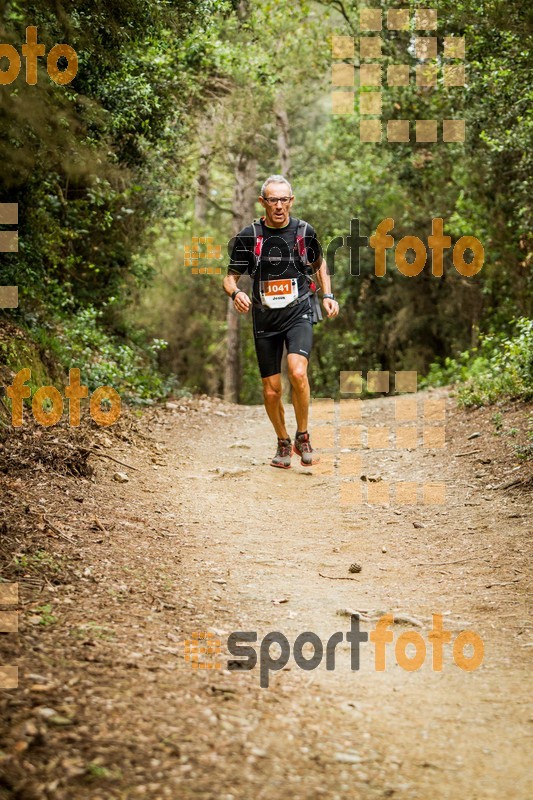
[[255, 751], [121, 477], [383, 549], [46, 712], [230, 472], [33, 676], [348, 758], [52, 717]]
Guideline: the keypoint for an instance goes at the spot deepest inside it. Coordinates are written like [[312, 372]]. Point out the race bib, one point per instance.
[[278, 293]]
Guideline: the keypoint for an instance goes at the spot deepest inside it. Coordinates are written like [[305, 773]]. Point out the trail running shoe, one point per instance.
[[283, 455], [302, 447]]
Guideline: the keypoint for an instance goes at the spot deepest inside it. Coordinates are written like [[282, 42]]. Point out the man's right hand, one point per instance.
[[242, 302]]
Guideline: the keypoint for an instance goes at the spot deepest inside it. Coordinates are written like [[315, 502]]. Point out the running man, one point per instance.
[[279, 253]]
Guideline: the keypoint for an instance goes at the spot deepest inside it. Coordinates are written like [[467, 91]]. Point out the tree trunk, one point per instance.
[[243, 203], [202, 185], [284, 155], [282, 124], [243, 9]]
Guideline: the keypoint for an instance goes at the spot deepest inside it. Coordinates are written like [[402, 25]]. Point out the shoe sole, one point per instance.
[[280, 466], [302, 462]]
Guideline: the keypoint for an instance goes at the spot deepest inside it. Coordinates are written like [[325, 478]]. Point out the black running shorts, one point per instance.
[[269, 349]]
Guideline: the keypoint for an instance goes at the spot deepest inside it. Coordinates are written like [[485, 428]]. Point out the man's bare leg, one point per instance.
[[301, 393], [300, 400], [273, 404]]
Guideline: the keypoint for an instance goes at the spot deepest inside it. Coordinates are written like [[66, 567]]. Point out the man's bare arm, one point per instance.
[[230, 283], [242, 301], [320, 269]]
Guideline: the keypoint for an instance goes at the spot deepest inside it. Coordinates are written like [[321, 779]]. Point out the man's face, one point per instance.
[[277, 214]]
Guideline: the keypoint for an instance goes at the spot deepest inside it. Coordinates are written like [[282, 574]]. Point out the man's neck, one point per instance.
[[284, 225]]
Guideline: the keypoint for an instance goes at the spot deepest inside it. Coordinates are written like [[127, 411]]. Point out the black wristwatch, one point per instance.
[[328, 297], [235, 293]]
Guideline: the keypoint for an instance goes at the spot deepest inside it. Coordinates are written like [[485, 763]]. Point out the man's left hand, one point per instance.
[[331, 307]]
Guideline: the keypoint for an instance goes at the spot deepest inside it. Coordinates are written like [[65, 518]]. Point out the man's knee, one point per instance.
[[271, 392], [298, 373]]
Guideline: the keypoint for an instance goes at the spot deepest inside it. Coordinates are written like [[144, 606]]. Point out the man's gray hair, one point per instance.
[[275, 179]]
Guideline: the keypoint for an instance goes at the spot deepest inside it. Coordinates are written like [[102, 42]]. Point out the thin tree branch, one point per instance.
[[221, 208], [339, 6]]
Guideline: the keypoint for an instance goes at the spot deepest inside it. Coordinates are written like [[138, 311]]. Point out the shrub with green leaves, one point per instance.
[[500, 368], [130, 367]]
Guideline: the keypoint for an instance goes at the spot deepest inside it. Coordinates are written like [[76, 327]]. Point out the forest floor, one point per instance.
[[205, 536]]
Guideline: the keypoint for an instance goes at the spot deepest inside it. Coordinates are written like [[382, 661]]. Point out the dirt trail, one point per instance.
[[208, 537]]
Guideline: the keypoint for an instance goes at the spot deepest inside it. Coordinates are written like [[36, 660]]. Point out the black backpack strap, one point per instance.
[[301, 231]]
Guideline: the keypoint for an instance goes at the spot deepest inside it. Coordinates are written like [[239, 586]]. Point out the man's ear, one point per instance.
[[262, 201]]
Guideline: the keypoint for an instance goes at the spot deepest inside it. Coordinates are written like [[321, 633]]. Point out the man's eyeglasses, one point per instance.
[[273, 201]]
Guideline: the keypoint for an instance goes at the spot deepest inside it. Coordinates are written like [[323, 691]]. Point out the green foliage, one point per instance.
[[500, 368], [89, 164], [107, 171], [40, 560], [97, 771], [186, 310], [131, 369], [45, 613], [524, 452], [279, 53], [497, 419]]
